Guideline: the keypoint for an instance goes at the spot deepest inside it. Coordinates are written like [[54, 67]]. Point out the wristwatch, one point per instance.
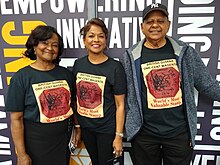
[[119, 134]]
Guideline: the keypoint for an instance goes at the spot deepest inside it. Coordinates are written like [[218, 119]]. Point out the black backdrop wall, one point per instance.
[[194, 21]]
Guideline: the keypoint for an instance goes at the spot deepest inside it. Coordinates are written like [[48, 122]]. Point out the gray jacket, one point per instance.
[[193, 73]]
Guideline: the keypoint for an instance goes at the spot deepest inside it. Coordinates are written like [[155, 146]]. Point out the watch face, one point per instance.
[[119, 134]]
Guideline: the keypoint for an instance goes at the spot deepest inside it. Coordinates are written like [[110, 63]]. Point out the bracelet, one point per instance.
[[119, 134], [77, 126]]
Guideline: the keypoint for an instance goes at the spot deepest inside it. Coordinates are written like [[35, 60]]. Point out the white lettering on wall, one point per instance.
[[115, 36], [36, 7]]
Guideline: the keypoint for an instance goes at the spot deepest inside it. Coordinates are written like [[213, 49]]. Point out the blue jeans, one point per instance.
[[150, 150]]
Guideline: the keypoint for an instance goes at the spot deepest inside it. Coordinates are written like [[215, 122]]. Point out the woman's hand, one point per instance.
[[76, 139], [24, 159], [118, 146]]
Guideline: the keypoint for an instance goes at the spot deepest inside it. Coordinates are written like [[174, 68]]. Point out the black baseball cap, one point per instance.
[[153, 7]]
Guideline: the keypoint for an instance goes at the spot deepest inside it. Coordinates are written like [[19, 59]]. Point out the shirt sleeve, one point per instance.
[[15, 96], [119, 80]]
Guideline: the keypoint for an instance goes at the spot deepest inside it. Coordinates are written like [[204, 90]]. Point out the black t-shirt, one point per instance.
[[96, 85], [161, 92], [43, 96]]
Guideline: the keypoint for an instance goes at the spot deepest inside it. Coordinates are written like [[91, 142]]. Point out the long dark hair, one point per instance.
[[42, 33]]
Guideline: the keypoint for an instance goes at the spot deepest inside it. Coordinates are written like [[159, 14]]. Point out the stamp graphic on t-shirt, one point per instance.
[[53, 100], [90, 90], [89, 94], [163, 84]]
